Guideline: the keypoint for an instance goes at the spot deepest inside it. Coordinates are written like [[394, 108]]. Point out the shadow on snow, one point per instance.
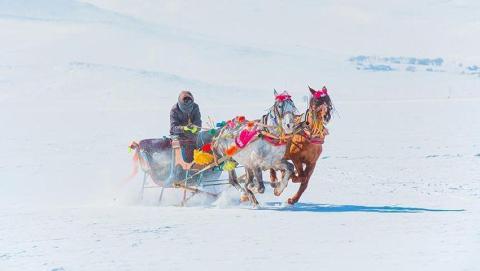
[[327, 208]]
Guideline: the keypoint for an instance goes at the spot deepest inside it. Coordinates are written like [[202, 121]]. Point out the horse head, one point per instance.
[[321, 101], [283, 112]]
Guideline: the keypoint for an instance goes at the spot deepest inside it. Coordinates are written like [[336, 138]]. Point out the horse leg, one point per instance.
[[300, 176], [287, 170], [249, 185], [232, 179], [259, 177], [273, 177], [246, 195], [308, 170]]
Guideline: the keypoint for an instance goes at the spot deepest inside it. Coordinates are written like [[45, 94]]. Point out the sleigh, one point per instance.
[[167, 163]]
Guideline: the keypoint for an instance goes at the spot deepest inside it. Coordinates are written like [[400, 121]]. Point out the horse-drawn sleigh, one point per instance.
[[269, 143]]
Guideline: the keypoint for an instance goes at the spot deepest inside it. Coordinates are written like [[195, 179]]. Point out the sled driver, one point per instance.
[[185, 118]]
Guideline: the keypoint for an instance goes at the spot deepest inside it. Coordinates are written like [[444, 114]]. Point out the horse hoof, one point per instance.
[[244, 198], [279, 188], [261, 189], [291, 201], [277, 192]]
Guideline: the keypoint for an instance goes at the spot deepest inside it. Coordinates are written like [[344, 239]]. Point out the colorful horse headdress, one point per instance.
[[317, 94], [282, 97]]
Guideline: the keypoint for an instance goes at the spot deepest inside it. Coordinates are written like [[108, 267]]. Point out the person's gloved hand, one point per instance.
[[191, 128]]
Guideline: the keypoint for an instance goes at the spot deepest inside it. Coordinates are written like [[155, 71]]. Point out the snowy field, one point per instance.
[[396, 188]]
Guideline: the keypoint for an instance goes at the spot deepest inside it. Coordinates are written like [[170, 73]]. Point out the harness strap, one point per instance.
[[279, 121], [316, 128], [276, 140]]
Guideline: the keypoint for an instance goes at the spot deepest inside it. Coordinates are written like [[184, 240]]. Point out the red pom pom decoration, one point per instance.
[[207, 147]]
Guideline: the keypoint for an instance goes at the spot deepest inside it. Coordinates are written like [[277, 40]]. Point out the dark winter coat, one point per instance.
[[178, 118]]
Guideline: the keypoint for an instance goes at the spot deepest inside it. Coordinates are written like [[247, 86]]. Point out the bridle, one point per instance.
[[317, 124]]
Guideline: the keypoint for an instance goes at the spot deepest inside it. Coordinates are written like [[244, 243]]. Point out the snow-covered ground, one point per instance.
[[398, 184]]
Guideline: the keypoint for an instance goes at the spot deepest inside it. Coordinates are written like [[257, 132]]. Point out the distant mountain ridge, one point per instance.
[[411, 64]]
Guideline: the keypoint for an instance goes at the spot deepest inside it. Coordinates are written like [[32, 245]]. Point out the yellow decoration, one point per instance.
[[202, 158], [316, 124], [229, 165]]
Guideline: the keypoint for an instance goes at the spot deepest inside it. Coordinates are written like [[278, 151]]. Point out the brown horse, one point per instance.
[[305, 148]]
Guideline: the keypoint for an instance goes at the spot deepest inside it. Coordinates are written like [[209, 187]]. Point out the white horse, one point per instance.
[[262, 152]]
